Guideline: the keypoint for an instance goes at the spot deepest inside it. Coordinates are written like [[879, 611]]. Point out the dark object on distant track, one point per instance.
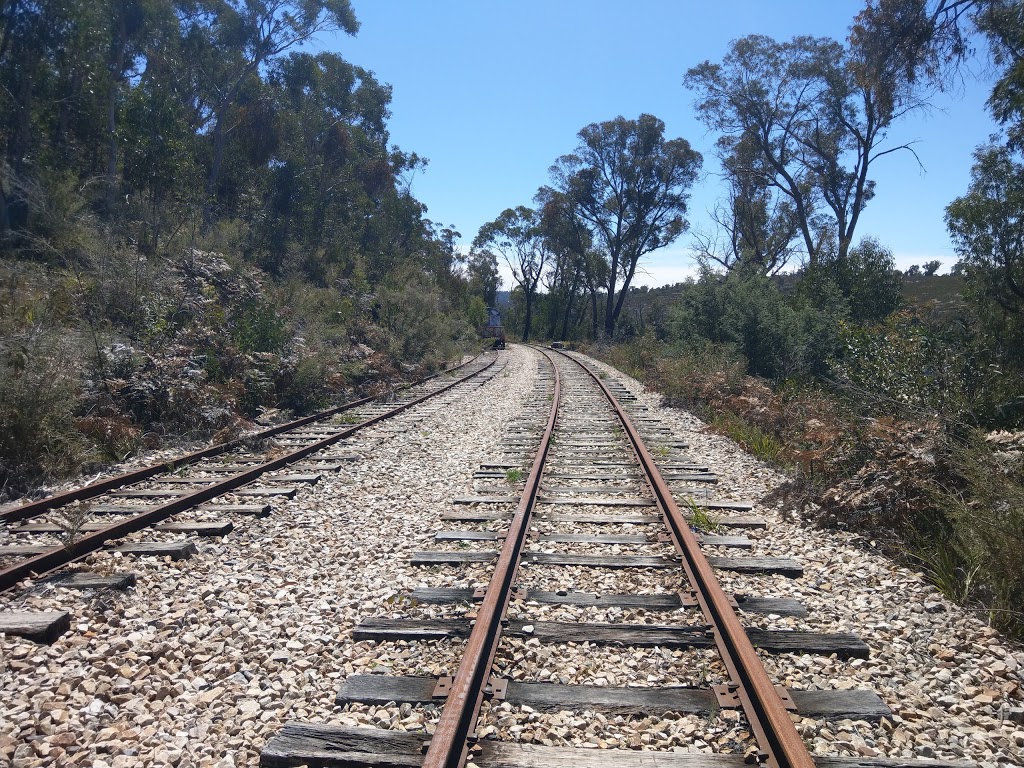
[[492, 328]]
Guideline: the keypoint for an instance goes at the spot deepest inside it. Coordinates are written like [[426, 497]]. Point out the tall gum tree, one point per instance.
[[754, 228], [574, 260], [257, 31], [517, 236], [987, 228], [815, 125], [630, 185]]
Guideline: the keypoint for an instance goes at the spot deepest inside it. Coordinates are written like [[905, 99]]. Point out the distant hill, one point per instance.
[[945, 290]]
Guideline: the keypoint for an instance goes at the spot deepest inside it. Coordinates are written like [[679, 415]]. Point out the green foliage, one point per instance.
[[205, 272], [970, 536], [419, 320], [750, 437], [867, 278], [37, 403], [699, 518], [985, 227], [484, 278], [747, 313], [305, 388], [517, 236], [911, 360], [756, 225], [800, 130], [929, 490], [477, 312], [259, 328], [628, 186], [637, 357], [1003, 24]]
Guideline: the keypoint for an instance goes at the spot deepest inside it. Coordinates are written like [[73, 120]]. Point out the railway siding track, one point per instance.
[[587, 448], [83, 518]]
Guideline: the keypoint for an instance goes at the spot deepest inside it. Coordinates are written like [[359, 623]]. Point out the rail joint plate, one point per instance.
[[787, 700], [496, 688]]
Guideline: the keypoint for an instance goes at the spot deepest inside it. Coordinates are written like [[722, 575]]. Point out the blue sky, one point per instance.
[[492, 92]]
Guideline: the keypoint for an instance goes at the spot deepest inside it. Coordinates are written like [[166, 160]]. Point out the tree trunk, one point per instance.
[[218, 158], [15, 206], [569, 301], [565, 317], [116, 73], [593, 313], [529, 316]]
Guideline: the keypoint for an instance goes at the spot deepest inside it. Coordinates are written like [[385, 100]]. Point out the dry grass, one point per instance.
[[933, 492]]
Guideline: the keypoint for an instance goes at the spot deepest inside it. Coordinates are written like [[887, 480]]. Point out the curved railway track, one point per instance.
[[217, 480], [588, 463]]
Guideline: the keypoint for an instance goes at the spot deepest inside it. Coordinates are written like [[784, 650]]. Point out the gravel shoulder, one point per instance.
[[206, 659]]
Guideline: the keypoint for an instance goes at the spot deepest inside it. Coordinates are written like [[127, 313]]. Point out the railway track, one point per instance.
[[219, 485], [580, 462], [356, 601]]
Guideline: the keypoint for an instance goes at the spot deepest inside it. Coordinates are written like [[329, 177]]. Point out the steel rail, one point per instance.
[[58, 557], [777, 737], [449, 742], [92, 490]]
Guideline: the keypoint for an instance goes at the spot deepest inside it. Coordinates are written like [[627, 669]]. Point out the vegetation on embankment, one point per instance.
[[103, 359], [905, 428], [198, 222]]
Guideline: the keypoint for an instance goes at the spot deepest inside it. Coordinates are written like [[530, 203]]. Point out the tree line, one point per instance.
[[162, 117], [801, 124], [202, 221]]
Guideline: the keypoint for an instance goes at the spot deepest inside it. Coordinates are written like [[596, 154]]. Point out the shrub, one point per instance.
[[421, 326], [305, 387], [747, 314], [913, 360], [867, 279], [259, 328], [37, 403]]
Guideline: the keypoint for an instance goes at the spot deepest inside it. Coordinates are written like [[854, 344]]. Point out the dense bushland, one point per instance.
[[200, 223], [905, 426]]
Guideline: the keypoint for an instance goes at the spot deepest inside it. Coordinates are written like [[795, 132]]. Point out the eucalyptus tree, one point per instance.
[[571, 246], [754, 228], [908, 43], [813, 126], [251, 34], [517, 237], [629, 185], [987, 228], [484, 277], [330, 162]]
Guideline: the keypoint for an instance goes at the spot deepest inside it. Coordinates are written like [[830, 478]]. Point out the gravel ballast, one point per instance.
[[206, 659]]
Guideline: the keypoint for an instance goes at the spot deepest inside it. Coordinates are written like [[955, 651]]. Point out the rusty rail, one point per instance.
[[448, 744], [781, 745], [58, 557], [92, 490]]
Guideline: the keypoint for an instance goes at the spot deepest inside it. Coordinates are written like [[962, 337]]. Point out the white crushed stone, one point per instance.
[[206, 659]]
